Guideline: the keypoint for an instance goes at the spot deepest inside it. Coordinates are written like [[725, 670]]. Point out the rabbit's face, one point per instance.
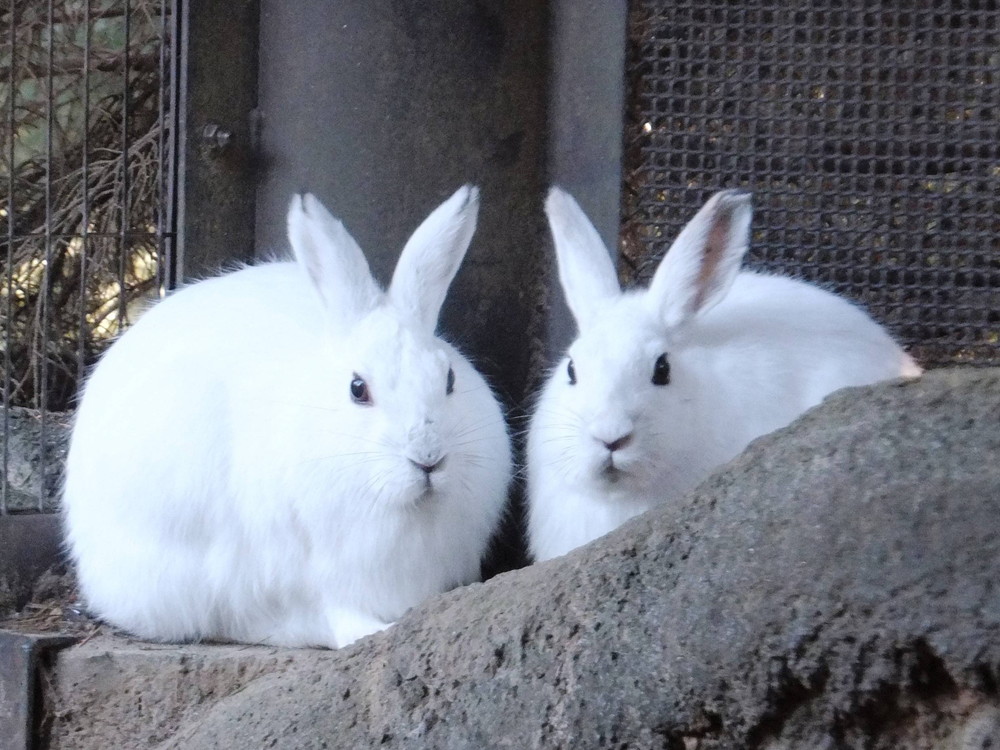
[[397, 394], [613, 391], [621, 416], [401, 393]]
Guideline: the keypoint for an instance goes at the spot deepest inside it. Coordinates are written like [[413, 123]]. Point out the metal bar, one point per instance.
[[173, 170], [122, 308], [85, 208], [9, 308], [161, 104], [41, 386], [166, 208]]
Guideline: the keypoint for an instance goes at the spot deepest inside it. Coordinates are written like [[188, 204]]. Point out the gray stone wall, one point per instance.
[[35, 459]]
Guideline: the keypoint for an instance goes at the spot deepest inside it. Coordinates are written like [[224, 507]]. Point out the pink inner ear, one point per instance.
[[711, 256]]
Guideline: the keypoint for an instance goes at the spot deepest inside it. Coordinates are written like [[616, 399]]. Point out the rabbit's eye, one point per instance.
[[451, 382], [359, 391], [661, 371], [571, 371]]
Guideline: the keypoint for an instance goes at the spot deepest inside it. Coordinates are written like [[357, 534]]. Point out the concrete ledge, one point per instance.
[[143, 693]]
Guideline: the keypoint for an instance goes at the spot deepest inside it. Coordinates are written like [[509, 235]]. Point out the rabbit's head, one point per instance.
[[616, 408], [407, 404]]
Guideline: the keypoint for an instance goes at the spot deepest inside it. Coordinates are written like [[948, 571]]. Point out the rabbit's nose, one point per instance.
[[618, 443], [430, 466], [612, 430]]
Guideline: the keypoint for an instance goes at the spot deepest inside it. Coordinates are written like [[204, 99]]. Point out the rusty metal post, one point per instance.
[[217, 95]]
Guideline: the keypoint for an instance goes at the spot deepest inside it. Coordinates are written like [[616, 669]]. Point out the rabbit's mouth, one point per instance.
[[610, 473], [427, 486], [428, 493]]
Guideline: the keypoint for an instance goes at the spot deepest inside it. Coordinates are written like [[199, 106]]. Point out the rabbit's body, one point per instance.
[[614, 444], [221, 484]]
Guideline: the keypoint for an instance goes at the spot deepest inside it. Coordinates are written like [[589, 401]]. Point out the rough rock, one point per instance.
[[32, 462], [36, 456], [33, 570], [834, 587]]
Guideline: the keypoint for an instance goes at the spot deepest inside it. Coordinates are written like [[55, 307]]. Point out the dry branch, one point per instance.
[[69, 271]]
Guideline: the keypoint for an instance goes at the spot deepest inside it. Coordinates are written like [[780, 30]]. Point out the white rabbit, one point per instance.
[[286, 454], [665, 384]]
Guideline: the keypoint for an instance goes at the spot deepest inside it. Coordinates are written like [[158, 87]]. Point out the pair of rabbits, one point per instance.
[[287, 454]]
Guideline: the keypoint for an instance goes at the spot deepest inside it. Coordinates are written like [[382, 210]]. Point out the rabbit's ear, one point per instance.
[[432, 256], [702, 264], [586, 272], [331, 258]]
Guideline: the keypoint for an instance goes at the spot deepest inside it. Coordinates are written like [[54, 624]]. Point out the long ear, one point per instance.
[[586, 272], [702, 264], [331, 258], [432, 256]]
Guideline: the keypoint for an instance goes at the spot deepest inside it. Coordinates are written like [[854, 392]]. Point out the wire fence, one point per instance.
[[86, 87], [869, 133]]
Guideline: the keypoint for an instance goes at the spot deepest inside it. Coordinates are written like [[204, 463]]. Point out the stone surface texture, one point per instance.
[[836, 586], [35, 458]]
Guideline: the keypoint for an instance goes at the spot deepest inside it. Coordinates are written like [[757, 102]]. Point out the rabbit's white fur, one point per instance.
[[747, 353], [222, 483]]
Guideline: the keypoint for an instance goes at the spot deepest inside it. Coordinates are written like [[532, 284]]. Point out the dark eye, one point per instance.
[[661, 371], [571, 371], [451, 382], [359, 391]]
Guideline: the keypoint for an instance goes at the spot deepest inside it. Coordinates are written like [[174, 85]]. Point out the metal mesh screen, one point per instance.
[[869, 133], [86, 93]]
